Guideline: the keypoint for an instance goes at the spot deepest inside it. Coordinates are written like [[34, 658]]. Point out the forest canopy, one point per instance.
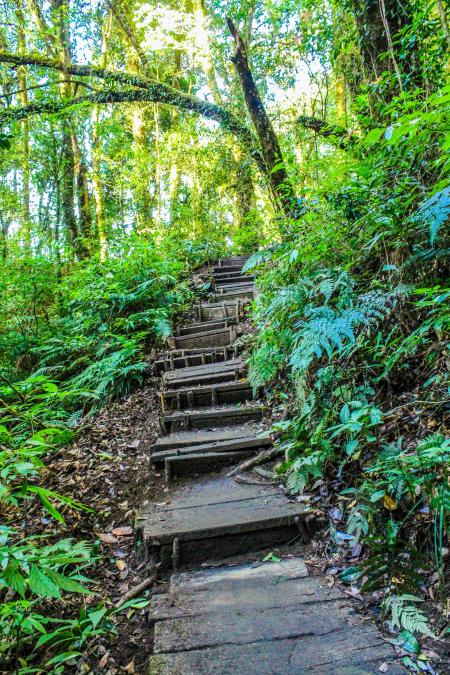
[[140, 140]]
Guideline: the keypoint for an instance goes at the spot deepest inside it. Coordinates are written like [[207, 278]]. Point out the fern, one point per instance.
[[357, 523], [326, 330], [435, 211], [404, 614]]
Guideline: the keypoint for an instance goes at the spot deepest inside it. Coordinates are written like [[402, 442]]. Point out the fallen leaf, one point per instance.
[[130, 667], [389, 503], [123, 531], [107, 538], [120, 553], [384, 667], [103, 661], [121, 565]]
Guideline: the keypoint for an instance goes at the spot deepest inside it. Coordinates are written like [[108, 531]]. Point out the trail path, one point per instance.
[[247, 618]]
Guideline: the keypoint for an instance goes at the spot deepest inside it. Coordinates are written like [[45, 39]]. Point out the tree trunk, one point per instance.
[[23, 96], [97, 187], [205, 51], [82, 186], [68, 190], [270, 147]]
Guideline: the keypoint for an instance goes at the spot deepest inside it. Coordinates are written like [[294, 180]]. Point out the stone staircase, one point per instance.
[[248, 619]]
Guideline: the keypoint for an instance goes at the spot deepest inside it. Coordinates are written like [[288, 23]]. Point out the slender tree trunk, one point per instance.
[[341, 101], [70, 143], [81, 181], [201, 21], [23, 96], [444, 20], [158, 167], [68, 190], [270, 147], [97, 186]]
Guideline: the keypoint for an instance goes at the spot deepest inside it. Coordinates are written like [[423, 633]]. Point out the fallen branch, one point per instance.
[[133, 592], [262, 458]]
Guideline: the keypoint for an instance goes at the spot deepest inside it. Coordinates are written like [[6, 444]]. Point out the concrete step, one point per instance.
[[220, 518], [201, 462], [231, 275], [213, 417], [239, 260], [270, 618], [230, 269], [206, 395]]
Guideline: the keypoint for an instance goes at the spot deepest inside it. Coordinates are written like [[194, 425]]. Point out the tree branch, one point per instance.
[[323, 129], [148, 91]]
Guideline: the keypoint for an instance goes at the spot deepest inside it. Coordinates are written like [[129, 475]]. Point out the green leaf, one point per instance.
[[66, 583], [41, 584], [15, 579], [96, 616], [351, 446], [46, 503], [408, 641], [350, 574], [62, 658]]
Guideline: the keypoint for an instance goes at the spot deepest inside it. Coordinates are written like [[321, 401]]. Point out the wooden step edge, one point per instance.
[[226, 445], [201, 462]]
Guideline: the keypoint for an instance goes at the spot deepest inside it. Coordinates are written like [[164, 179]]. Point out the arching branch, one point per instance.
[[146, 90]]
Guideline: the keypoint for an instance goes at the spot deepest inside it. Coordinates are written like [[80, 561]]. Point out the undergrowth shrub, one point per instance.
[[352, 331]]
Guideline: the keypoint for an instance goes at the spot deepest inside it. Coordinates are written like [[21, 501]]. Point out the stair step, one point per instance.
[[184, 358], [204, 326], [251, 443], [201, 462], [231, 278], [204, 374], [244, 295], [236, 286], [213, 417], [218, 311], [206, 395], [222, 269], [218, 519], [265, 619], [233, 260], [211, 338], [184, 439]]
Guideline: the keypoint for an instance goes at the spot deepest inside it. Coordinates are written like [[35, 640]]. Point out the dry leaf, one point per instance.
[[103, 661], [121, 565], [107, 538], [384, 667], [123, 531], [389, 503], [130, 667]]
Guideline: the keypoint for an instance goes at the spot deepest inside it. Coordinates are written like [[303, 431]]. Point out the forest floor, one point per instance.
[[106, 468]]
